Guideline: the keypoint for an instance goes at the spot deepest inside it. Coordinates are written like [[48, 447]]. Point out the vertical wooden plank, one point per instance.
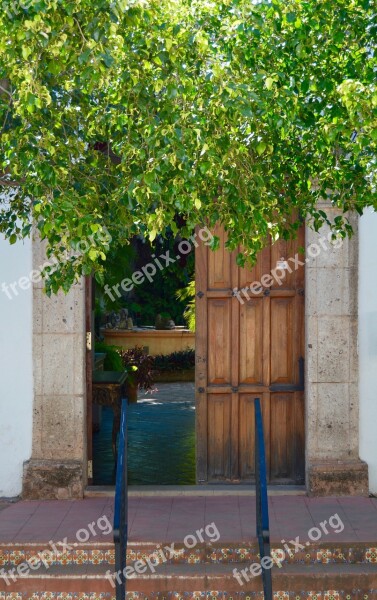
[[201, 358], [219, 433], [219, 275], [220, 340], [266, 396], [89, 354], [234, 345], [299, 333], [282, 344], [279, 417], [266, 416], [251, 332], [248, 276], [247, 436]]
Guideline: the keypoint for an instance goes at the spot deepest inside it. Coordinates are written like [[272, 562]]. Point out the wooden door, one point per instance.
[[250, 344]]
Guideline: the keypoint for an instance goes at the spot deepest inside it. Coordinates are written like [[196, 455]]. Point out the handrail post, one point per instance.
[[121, 508], [262, 518]]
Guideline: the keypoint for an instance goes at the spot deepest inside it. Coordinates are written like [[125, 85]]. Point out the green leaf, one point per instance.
[[93, 254], [269, 83], [261, 147], [152, 235]]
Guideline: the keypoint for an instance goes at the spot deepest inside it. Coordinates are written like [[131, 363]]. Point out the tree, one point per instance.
[[134, 116]]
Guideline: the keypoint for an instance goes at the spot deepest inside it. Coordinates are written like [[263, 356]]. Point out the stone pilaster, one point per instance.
[[332, 401], [56, 468]]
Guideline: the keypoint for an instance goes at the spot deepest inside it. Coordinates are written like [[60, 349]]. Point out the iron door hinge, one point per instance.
[[90, 469], [88, 340]]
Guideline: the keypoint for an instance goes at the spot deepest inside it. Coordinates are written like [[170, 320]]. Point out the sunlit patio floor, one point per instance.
[[171, 518]]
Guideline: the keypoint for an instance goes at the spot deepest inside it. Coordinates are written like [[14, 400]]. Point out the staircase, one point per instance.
[[326, 571]]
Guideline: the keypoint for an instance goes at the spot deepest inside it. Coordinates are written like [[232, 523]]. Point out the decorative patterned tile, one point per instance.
[[110, 557], [371, 555], [208, 595], [277, 554], [331, 595], [80, 557], [245, 554], [324, 556], [16, 556], [96, 557], [56, 596], [4, 558], [220, 555]]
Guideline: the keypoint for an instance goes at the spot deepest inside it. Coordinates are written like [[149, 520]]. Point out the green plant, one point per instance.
[[113, 360], [188, 294], [119, 265], [160, 298], [118, 117], [176, 361], [139, 366]]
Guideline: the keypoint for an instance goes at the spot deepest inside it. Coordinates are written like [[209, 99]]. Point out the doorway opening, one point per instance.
[[248, 343], [144, 321]]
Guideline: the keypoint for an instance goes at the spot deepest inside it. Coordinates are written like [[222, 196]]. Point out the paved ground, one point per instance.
[[3, 504], [172, 518], [161, 438], [181, 391]]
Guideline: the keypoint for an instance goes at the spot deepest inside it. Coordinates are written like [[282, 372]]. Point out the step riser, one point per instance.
[[213, 595], [356, 554], [286, 588]]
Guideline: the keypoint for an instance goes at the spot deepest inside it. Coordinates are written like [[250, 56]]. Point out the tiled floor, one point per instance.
[[161, 438], [171, 519], [4, 504]]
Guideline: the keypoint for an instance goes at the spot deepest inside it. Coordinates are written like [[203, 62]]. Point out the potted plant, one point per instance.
[[139, 366]]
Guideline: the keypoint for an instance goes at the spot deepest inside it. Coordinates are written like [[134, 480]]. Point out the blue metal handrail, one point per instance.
[[121, 507], [263, 524]]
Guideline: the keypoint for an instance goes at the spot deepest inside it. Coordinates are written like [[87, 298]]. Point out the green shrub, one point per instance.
[[113, 360], [176, 361]]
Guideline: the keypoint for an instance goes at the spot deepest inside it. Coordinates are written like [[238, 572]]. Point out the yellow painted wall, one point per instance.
[[157, 341]]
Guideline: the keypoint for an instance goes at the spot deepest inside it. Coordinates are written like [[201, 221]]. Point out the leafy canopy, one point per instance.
[[138, 116]]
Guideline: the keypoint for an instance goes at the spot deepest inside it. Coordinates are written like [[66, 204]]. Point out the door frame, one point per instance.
[[89, 350]]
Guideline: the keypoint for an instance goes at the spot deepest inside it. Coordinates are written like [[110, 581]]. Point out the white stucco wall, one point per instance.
[[368, 343], [16, 368]]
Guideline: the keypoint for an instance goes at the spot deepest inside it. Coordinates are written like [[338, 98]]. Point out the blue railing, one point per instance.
[[121, 507], [263, 524]]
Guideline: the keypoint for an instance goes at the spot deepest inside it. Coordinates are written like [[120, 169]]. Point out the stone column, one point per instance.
[[333, 466], [56, 468]]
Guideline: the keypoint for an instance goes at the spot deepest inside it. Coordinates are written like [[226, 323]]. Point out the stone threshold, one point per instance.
[[194, 490]]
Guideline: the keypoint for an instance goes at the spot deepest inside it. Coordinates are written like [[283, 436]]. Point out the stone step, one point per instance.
[[186, 582], [12, 555]]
